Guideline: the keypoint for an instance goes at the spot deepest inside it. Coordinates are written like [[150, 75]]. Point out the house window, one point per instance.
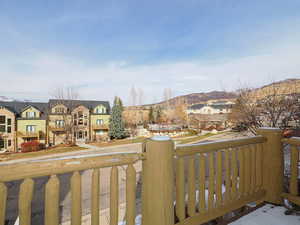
[[30, 114], [60, 123], [8, 129], [9, 143], [2, 128], [100, 110], [80, 114], [85, 133], [30, 128], [2, 119], [99, 132], [59, 110], [85, 122], [8, 122], [99, 121]]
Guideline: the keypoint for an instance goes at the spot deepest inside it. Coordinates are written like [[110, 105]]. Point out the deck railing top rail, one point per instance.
[[185, 150], [48, 167], [291, 141]]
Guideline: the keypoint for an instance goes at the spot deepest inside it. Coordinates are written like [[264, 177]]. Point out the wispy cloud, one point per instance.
[[103, 81], [103, 48]]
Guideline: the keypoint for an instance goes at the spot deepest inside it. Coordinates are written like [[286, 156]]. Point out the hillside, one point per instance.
[[284, 87], [196, 98], [287, 86]]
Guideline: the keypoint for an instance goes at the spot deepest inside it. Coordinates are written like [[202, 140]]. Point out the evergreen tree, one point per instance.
[[158, 114], [151, 115], [116, 124]]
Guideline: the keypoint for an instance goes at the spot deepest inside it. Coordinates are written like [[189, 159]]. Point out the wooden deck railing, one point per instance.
[[293, 194], [230, 176], [210, 179], [186, 185], [28, 171]]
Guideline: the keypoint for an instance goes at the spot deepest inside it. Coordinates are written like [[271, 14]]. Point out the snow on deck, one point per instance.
[[268, 215]]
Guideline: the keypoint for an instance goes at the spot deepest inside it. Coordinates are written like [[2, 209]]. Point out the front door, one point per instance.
[[80, 136]]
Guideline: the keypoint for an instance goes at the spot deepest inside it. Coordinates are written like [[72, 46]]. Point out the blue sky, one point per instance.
[[103, 48]]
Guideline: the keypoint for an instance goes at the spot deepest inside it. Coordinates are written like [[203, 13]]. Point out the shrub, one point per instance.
[[192, 132], [31, 146]]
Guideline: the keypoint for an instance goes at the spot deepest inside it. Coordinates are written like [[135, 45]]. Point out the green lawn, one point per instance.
[[12, 156]]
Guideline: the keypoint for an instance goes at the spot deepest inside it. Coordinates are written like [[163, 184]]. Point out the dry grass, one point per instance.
[[119, 142], [55, 150], [194, 139]]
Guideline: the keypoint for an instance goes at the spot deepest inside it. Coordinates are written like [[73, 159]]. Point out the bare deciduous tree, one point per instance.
[[167, 95], [133, 96], [66, 97], [274, 106], [140, 94]]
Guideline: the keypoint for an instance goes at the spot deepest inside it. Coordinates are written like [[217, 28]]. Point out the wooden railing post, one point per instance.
[[273, 164], [158, 182]]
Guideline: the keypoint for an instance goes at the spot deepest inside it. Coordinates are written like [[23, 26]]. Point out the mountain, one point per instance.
[[8, 99], [191, 99], [284, 87], [287, 86]]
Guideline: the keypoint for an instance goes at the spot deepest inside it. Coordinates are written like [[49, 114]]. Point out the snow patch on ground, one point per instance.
[[138, 221], [268, 215]]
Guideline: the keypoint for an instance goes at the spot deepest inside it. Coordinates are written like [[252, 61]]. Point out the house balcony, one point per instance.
[[181, 185], [29, 134], [57, 129], [100, 127]]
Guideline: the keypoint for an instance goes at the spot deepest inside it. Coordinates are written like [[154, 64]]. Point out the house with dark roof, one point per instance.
[[52, 123], [211, 108]]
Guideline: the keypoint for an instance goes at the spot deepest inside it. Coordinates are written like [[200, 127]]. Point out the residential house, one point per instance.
[[210, 108], [84, 120], [7, 129], [21, 122], [52, 123], [212, 114]]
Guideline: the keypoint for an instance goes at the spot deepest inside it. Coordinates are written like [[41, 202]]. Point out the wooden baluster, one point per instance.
[[234, 162], [52, 201], [180, 201], [191, 186], [211, 185], [130, 194], [253, 169], [114, 196], [3, 198], [219, 180], [241, 155], [294, 170], [227, 177], [247, 170], [202, 178], [25, 198], [95, 197], [259, 149], [76, 198]]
